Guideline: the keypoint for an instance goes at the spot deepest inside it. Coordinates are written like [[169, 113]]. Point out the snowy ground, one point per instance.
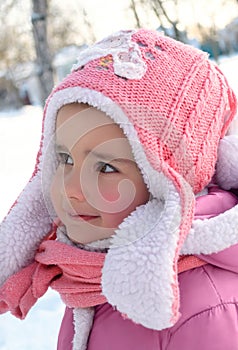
[[19, 140], [229, 66]]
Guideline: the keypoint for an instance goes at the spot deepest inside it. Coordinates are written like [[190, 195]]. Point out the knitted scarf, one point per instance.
[[74, 273]]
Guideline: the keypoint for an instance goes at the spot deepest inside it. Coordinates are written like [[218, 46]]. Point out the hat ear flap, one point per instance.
[[23, 229], [139, 276], [31, 217], [226, 175]]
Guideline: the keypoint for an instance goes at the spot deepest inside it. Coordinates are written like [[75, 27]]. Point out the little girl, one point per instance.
[[130, 213]]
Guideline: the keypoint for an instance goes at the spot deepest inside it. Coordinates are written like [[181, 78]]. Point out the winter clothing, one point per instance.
[[175, 108], [74, 273], [209, 303]]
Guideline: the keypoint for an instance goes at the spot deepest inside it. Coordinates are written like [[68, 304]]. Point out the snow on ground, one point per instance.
[[19, 141], [229, 66]]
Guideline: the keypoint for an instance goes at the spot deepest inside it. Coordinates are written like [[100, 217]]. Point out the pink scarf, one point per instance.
[[74, 273]]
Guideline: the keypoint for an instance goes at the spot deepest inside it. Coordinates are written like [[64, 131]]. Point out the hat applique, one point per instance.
[[105, 62], [127, 59]]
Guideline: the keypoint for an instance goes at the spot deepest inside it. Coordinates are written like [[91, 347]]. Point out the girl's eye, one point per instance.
[[65, 158], [106, 168]]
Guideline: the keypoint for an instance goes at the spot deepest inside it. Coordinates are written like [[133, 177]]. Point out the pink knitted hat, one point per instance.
[[174, 106], [178, 102]]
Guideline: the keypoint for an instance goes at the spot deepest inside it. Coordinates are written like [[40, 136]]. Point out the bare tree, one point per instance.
[[45, 72], [159, 7], [15, 38], [88, 25], [135, 12], [18, 45], [160, 10]]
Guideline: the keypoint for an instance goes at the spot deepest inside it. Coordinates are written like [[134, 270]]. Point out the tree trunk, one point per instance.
[[44, 61], [174, 23], [134, 10]]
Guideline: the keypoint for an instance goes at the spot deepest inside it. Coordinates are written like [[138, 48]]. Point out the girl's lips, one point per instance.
[[82, 217]]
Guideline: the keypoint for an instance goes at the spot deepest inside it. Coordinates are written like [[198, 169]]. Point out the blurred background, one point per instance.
[[39, 42], [40, 39]]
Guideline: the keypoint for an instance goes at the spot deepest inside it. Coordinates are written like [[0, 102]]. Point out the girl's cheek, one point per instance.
[[116, 218], [105, 199], [116, 197], [55, 189], [110, 194]]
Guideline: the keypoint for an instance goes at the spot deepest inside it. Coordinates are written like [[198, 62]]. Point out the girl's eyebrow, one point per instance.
[[60, 148], [108, 157]]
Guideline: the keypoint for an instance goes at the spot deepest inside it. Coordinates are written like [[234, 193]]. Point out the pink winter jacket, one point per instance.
[[208, 305]]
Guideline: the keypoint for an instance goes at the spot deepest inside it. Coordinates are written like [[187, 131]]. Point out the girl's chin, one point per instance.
[[89, 234]]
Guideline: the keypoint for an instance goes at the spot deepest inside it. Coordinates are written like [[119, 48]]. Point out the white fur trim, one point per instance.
[[212, 235], [83, 320], [227, 162], [233, 127], [23, 229], [138, 269]]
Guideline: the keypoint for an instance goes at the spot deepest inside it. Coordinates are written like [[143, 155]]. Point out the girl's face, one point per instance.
[[97, 183]]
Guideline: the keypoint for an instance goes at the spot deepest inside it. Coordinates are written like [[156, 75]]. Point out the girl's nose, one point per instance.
[[72, 186]]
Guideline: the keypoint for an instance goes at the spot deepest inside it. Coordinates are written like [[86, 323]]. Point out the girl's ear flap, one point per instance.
[[21, 232]]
